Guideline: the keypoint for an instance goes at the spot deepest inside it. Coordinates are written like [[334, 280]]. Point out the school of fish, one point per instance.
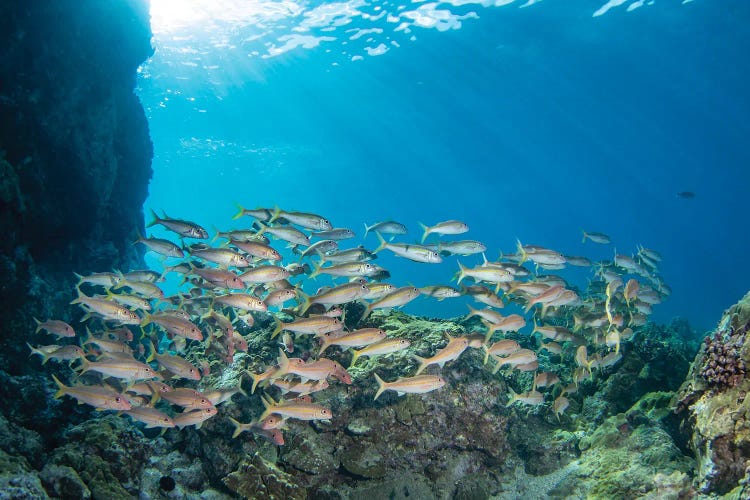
[[135, 355]]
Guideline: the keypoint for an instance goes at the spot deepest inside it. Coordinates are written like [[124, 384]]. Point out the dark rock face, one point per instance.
[[75, 153]]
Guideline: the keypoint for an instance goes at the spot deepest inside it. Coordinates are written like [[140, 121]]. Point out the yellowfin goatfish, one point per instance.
[[104, 398], [454, 348], [600, 238], [184, 228], [386, 227], [161, 246], [303, 219], [55, 327], [386, 346], [417, 253], [412, 385], [299, 411], [446, 227]]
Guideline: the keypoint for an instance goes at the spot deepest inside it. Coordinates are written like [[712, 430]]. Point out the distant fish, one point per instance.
[[600, 238], [446, 227], [415, 385], [687, 195], [386, 227], [184, 228]]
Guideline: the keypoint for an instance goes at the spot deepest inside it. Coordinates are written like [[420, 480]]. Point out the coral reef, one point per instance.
[[713, 407]]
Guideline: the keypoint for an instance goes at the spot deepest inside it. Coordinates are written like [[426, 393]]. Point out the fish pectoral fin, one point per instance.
[[401, 393]]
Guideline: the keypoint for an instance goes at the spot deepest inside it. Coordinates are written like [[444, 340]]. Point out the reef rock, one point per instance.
[[714, 408], [75, 153]]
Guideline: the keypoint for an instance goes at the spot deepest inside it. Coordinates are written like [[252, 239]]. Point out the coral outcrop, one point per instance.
[[714, 408]]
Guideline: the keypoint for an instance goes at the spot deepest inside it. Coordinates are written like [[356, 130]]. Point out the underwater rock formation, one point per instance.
[[75, 152], [714, 408]]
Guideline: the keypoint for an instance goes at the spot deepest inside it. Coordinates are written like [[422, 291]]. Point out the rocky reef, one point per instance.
[[714, 409], [75, 153]]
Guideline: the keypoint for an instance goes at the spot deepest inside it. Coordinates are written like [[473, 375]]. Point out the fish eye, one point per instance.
[[118, 399]]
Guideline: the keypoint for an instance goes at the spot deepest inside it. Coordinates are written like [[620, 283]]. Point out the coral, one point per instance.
[[258, 478], [723, 367], [712, 405]]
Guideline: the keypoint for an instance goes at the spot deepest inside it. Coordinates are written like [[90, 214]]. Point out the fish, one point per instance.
[[575, 260], [445, 227], [106, 280], [184, 228], [551, 347], [262, 214], [178, 366], [484, 295], [101, 397], [318, 248], [357, 338], [454, 348], [219, 396], [187, 398], [559, 405], [298, 387], [336, 296], [440, 292], [288, 234], [264, 274], [346, 269], [287, 342], [511, 323], [600, 238], [125, 369], [161, 246], [194, 417], [57, 352], [552, 332], [631, 290], [271, 422], [547, 296], [221, 278], [151, 417], [378, 290], [521, 357], [336, 234], [501, 348], [131, 301], [142, 275], [317, 370], [613, 339], [107, 310], [490, 274], [538, 255], [386, 346], [242, 301], [147, 290], [386, 227], [221, 256], [55, 327], [545, 379], [106, 345], [257, 249], [316, 325], [299, 411], [303, 219], [350, 255], [531, 397], [397, 298], [419, 384], [461, 247], [174, 325], [416, 253], [280, 297]]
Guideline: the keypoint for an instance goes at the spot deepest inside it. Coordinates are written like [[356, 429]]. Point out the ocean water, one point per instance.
[[528, 121]]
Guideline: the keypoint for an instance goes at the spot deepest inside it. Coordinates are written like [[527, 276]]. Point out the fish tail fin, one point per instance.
[[268, 403], [256, 381], [316, 269], [155, 220], [262, 229], [279, 327], [422, 363], [472, 311], [147, 319], [283, 362], [218, 234], [382, 241], [536, 326], [275, 214], [486, 354], [41, 353], [521, 251], [461, 274], [355, 356], [151, 356], [324, 343], [38, 325], [305, 305], [491, 328], [367, 230], [513, 396], [240, 213], [239, 385], [238, 427], [61, 388], [425, 232], [382, 386], [366, 312], [529, 304], [498, 364]]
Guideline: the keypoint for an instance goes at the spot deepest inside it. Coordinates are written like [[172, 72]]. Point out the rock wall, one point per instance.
[[75, 153]]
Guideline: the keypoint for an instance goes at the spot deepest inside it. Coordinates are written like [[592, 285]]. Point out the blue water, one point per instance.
[[528, 123]]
